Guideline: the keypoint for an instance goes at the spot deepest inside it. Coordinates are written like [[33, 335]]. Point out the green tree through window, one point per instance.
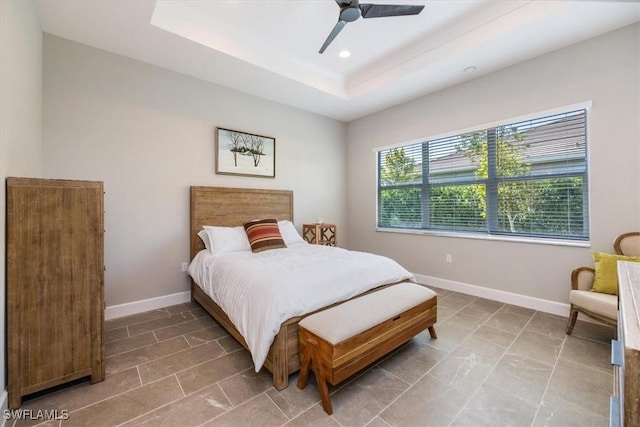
[[401, 206], [527, 178], [513, 197]]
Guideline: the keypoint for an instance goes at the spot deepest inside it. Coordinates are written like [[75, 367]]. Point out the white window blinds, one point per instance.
[[527, 178]]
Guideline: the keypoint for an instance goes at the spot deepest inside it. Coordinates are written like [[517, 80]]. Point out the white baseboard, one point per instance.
[[546, 306], [135, 307], [534, 303]]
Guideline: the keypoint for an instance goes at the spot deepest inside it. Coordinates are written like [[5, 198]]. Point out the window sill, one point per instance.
[[528, 240]]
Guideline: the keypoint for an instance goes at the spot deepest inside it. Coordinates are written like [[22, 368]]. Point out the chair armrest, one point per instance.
[[582, 278]]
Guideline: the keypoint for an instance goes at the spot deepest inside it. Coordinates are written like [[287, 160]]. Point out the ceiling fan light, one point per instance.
[[344, 54]]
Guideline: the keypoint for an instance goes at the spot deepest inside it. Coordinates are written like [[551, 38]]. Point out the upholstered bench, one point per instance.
[[338, 342]]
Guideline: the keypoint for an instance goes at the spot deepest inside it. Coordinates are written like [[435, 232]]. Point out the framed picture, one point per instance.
[[241, 153]]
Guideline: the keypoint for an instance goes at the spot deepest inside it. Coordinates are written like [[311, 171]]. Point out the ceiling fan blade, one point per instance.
[[383, 10], [338, 27]]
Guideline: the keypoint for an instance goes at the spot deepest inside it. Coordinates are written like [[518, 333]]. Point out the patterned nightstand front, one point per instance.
[[320, 234]]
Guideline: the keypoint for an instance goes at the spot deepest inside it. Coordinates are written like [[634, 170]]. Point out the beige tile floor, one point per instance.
[[493, 364]]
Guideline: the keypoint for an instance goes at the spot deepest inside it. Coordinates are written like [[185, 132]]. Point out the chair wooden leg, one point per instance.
[[573, 315], [432, 332]]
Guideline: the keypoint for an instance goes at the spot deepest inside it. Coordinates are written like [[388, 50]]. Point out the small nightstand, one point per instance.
[[320, 234]]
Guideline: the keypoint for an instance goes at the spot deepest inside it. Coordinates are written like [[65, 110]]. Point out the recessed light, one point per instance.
[[469, 70], [344, 54]]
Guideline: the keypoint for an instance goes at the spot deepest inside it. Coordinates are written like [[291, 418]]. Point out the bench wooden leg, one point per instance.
[[323, 389], [309, 361], [432, 332], [305, 364]]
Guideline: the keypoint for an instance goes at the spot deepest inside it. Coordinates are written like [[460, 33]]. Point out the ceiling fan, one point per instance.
[[350, 10]]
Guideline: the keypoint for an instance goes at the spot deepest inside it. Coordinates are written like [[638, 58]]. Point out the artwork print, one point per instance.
[[241, 153]]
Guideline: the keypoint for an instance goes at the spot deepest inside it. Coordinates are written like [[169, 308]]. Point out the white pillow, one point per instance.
[[227, 239], [289, 233], [202, 234]]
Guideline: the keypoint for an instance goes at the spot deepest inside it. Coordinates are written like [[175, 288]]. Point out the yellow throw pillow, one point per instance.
[[606, 278]]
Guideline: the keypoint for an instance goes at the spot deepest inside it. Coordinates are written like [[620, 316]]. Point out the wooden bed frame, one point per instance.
[[229, 207]]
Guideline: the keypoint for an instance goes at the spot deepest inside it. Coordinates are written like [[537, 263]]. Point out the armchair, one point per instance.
[[599, 306]]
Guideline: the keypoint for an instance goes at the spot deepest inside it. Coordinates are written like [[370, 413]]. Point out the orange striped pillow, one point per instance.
[[264, 234]]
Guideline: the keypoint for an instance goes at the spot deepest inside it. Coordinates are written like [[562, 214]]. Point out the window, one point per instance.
[[527, 179]]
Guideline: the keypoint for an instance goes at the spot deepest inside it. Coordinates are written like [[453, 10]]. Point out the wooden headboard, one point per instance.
[[228, 207]]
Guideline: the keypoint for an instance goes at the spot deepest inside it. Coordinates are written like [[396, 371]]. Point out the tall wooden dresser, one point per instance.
[[55, 280]]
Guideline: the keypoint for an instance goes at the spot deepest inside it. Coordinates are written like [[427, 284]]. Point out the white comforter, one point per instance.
[[259, 291]]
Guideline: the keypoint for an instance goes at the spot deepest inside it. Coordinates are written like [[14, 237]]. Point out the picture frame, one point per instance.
[[245, 154]]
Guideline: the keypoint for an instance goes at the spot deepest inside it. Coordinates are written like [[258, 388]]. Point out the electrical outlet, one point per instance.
[[449, 259], [185, 266]]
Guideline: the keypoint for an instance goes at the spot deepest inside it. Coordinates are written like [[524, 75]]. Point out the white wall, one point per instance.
[[605, 70], [20, 117], [148, 133]]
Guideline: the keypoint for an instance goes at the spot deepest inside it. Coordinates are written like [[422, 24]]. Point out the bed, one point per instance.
[[229, 207]]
